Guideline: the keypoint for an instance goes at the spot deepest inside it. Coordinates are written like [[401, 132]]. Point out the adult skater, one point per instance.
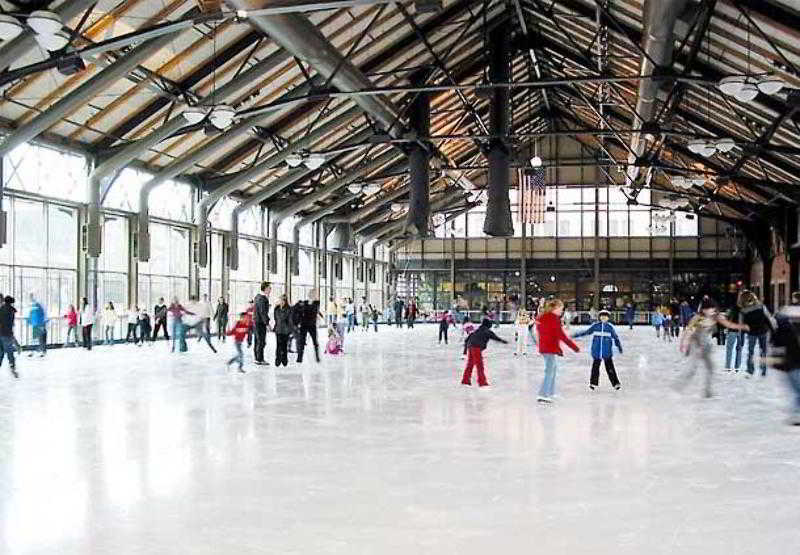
[[87, 322], [445, 321], [195, 319], [332, 311], [630, 314], [109, 323], [657, 321], [283, 328], [603, 333], [551, 335], [366, 313], [177, 312], [475, 345], [522, 326], [411, 313], [760, 323], [349, 313], [734, 340], [205, 312], [261, 322], [675, 317], [696, 342], [221, 319], [786, 341], [37, 320], [685, 313], [308, 327], [398, 311], [7, 341], [160, 317]]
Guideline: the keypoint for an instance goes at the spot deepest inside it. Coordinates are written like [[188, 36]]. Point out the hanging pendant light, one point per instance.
[[725, 144], [371, 188], [771, 84], [314, 161], [45, 22], [354, 188], [747, 93], [536, 162], [294, 160], [696, 145], [10, 28], [51, 43], [731, 85], [709, 149], [222, 116], [195, 114], [397, 207]]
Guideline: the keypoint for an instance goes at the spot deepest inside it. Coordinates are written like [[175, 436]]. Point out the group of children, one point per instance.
[[551, 334]]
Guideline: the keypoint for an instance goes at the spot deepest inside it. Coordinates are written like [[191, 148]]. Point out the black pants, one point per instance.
[[610, 370], [282, 349], [301, 341], [161, 324], [222, 325], [131, 332], [443, 333], [410, 322], [144, 333], [87, 336], [398, 317], [261, 341]]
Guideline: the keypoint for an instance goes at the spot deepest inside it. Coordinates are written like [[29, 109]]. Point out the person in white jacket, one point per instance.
[[522, 324], [109, 323], [206, 310], [196, 320], [86, 321], [132, 319]]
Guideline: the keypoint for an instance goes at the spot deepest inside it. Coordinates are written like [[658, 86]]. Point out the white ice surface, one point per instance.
[[381, 451]]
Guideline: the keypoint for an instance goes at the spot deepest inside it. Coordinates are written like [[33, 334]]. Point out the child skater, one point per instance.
[[696, 341], [603, 333], [658, 321], [474, 345], [239, 331], [522, 323], [334, 346], [551, 335], [444, 324], [145, 328]]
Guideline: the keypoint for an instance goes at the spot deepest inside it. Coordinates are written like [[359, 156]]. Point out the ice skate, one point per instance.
[[617, 387], [543, 399], [14, 372]]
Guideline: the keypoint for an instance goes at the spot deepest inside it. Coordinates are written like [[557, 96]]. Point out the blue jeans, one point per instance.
[[239, 356], [71, 330], [40, 333], [349, 323], [762, 345], [179, 336], [109, 330], [733, 339], [794, 382], [549, 384], [7, 346]]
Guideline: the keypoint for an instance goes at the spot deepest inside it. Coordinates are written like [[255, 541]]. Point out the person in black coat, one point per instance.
[[261, 322], [221, 319], [160, 317], [283, 328], [474, 346], [398, 312], [7, 342], [309, 313]]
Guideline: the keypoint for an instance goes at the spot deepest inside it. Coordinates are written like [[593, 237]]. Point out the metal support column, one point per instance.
[[498, 205], [523, 268]]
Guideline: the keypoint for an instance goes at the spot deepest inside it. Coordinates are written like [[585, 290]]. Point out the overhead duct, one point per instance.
[[316, 196], [419, 209], [498, 222], [297, 35], [343, 237], [310, 219], [301, 141], [660, 17]]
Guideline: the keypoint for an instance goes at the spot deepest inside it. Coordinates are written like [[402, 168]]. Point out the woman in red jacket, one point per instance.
[[551, 334]]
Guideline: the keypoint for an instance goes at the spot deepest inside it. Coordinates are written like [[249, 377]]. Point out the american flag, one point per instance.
[[531, 206]]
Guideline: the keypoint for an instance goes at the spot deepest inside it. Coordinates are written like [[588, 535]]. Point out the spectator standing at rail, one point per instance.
[[221, 319], [87, 322], [72, 326], [261, 321], [160, 317]]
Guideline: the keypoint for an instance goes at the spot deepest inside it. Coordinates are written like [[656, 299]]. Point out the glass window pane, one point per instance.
[[639, 224], [30, 232], [114, 256], [63, 232], [569, 224]]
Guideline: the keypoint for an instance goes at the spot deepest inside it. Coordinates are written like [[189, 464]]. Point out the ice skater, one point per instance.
[[334, 345], [7, 341], [522, 324], [283, 327], [551, 335], [474, 345], [603, 334], [657, 320], [145, 328], [239, 332], [445, 321], [786, 343], [760, 323], [696, 342]]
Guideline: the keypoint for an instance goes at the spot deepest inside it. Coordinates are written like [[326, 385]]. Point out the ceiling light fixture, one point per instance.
[[53, 42], [10, 28], [371, 188], [536, 162], [314, 161], [731, 85], [222, 116], [696, 145], [195, 114], [397, 207], [293, 160], [725, 144], [747, 93], [45, 22], [355, 188], [771, 84]]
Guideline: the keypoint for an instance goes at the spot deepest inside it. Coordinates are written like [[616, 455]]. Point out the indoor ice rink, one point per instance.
[[414, 277]]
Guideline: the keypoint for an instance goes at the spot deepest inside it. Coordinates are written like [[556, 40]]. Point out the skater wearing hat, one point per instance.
[[603, 333]]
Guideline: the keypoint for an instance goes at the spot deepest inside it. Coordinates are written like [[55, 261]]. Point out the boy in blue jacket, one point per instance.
[[603, 333]]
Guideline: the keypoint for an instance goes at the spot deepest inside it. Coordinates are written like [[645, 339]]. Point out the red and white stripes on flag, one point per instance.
[[532, 201]]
